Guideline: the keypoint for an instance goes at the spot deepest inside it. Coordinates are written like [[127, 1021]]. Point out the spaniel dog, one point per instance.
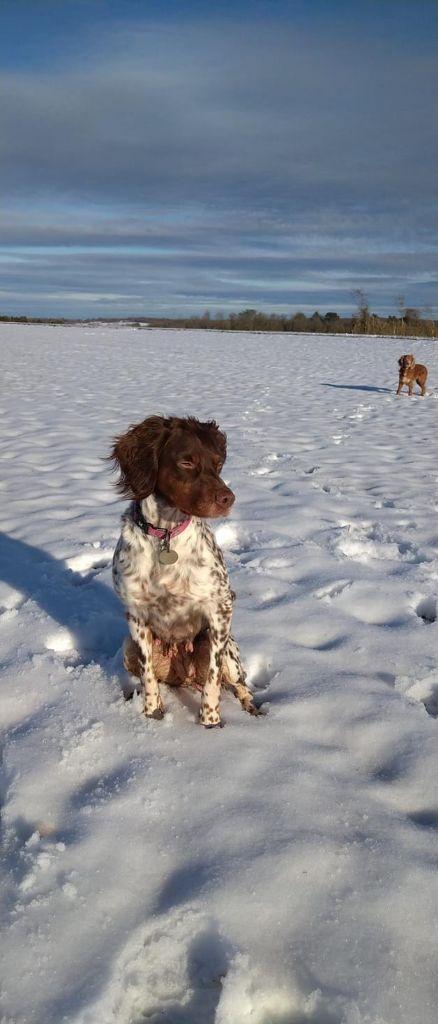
[[168, 570], [411, 373]]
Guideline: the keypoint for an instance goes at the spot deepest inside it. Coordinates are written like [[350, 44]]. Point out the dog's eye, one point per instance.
[[186, 464]]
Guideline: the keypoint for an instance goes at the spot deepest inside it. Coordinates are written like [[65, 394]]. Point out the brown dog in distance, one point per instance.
[[411, 373]]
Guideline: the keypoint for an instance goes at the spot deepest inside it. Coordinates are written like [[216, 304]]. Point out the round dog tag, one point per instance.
[[167, 557]]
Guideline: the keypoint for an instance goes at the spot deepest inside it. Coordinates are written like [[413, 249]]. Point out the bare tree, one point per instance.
[[364, 319]]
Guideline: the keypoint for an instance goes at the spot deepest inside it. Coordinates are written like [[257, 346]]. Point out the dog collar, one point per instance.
[[157, 531]]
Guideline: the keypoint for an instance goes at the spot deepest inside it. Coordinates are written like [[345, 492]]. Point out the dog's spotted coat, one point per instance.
[[176, 603]]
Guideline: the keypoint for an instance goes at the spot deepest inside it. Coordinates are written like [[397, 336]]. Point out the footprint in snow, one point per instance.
[[88, 564], [372, 606], [426, 818], [172, 970], [339, 438], [317, 636], [181, 970], [271, 464], [367, 541], [260, 672], [11, 601], [276, 562], [40, 858], [362, 412], [332, 590], [427, 609], [261, 471], [279, 457], [273, 597], [424, 691]]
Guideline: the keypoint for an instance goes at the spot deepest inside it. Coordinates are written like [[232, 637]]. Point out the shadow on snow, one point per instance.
[[89, 610]]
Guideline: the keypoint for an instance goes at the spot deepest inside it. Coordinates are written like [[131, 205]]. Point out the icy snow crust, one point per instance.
[[282, 870]]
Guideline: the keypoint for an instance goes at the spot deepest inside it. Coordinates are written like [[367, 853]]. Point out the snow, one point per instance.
[[282, 870]]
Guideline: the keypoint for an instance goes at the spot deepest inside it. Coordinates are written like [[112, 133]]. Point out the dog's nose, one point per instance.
[[225, 498]]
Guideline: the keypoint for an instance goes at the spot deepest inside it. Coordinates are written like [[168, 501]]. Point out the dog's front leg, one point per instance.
[[219, 631], [143, 636]]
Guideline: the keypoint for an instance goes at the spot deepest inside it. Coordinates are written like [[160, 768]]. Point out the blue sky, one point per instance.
[[164, 158]]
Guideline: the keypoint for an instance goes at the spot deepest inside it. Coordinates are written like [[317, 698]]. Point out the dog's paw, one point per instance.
[[157, 714], [210, 717], [256, 710]]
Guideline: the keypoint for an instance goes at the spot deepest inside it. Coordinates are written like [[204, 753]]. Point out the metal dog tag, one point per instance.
[[167, 557]]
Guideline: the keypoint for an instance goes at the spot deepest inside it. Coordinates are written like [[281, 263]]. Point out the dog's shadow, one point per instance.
[[87, 608], [355, 387]]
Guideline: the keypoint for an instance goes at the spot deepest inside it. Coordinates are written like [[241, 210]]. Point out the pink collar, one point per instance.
[[157, 531]]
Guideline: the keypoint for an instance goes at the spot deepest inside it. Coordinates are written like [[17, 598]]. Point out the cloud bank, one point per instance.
[[174, 167]]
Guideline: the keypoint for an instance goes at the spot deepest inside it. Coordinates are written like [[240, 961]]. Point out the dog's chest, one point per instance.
[[194, 580]]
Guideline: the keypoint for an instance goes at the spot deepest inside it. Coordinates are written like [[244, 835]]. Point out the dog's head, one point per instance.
[[406, 363], [179, 459]]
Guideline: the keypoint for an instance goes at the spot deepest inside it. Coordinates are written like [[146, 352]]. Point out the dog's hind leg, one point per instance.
[[161, 660], [234, 678]]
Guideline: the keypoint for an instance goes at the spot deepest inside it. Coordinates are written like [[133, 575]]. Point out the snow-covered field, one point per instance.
[[282, 870]]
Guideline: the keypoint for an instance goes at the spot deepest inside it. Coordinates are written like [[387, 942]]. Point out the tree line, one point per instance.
[[409, 322]]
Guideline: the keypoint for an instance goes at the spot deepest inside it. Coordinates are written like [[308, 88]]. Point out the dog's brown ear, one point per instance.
[[400, 362], [136, 455]]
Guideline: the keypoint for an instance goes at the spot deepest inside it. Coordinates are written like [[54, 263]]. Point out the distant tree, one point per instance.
[[332, 322], [243, 321], [362, 322], [316, 323], [401, 311], [412, 315], [429, 325], [299, 322]]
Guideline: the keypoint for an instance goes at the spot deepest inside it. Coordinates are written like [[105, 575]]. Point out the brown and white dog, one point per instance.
[[168, 570], [411, 373]]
